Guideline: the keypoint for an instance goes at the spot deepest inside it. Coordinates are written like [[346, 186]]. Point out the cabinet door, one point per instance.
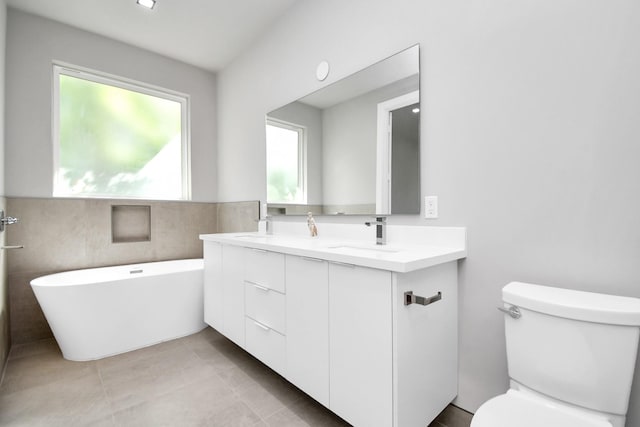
[[233, 293], [308, 326], [426, 344], [213, 302], [360, 343]]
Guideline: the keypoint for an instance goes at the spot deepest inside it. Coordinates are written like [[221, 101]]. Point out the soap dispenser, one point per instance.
[[311, 223]]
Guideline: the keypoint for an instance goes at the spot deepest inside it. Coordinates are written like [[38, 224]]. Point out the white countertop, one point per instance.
[[396, 256]]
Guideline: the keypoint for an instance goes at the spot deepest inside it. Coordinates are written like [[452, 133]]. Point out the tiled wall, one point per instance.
[[69, 234]]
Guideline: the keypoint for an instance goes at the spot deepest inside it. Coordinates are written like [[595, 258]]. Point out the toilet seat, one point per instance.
[[516, 409]]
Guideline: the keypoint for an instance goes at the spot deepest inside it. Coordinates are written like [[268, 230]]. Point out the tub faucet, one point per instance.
[[6, 220], [381, 225]]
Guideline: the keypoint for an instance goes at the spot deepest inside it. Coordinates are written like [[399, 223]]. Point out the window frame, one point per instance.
[[302, 157], [62, 68]]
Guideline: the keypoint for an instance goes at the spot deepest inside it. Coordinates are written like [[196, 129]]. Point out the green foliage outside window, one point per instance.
[[117, 142], [283, 165]]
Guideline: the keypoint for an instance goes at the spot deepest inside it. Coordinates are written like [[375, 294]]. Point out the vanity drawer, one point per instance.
[[265, 268], [265, 305], [266, 344]]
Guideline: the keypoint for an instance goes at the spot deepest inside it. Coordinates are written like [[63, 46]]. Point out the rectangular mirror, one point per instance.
[[350, 148]]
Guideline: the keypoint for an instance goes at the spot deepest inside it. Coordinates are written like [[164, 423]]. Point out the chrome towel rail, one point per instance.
[[410, 298]]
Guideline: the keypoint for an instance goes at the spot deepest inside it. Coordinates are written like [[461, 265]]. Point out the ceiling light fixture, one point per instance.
[[147, 3], [415, 110]]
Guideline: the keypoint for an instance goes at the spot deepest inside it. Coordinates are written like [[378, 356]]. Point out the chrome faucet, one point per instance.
[[268, 225], [381, 225], [6, 220]]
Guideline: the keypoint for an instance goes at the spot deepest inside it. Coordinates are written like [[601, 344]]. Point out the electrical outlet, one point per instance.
[[431, 207]]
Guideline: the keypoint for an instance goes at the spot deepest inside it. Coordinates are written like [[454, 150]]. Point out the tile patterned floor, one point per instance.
[[200, 380]]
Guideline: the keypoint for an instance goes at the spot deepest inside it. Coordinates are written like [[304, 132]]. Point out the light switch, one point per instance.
[[431, 207]]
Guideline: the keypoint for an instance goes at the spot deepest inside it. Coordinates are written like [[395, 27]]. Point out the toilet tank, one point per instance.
[[578, 347]]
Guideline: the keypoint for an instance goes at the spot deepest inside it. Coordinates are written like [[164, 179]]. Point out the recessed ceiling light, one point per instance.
[[147, 3], [416, 110]]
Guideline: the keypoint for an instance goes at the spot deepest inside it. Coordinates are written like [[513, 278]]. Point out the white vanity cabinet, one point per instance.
[[308, 326], [232, 266], [213, 292], [265, 320], [343, 332], [224, 290], [392, 364], [360, 356]]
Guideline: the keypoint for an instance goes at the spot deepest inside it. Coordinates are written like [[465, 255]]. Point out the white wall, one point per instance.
[[3, 34], [5, 340], [529, 138], [349, 152], [33, 43]]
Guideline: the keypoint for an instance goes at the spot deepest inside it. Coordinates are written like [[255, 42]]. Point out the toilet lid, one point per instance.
[[515, 410]]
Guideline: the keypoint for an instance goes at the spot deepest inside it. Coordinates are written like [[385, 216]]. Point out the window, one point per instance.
[[285, 162], [117, 138]]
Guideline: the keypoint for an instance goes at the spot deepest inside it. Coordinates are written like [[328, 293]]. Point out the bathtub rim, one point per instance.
[[51, 280]]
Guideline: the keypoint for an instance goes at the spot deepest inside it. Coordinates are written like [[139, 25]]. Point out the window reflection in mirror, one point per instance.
[[285, 162]]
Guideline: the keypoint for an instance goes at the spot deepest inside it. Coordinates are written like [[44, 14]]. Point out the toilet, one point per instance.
[[571, 357]]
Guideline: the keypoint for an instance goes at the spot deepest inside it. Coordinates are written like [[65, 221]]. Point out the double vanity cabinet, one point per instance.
[[337, 320]]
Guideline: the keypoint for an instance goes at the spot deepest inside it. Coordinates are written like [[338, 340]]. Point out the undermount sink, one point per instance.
[[364, 249]]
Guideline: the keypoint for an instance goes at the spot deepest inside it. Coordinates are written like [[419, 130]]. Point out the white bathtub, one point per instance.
[[100, 312]]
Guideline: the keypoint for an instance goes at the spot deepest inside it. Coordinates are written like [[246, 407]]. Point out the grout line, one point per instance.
[[106, 395], [4, 368]]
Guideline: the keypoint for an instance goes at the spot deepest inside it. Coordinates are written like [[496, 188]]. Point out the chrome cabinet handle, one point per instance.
[[12, 247], [256, 285], [311, 259], [512, 311], [343, 264], [410, 298], [262, 288], [261, 326]]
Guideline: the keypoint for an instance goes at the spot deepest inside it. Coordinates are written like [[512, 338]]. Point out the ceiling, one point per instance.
[[205, 33]]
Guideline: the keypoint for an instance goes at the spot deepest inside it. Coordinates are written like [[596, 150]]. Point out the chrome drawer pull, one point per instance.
[[255, 285], [343, 264], [311, 259], [410, 298], [261, 326]]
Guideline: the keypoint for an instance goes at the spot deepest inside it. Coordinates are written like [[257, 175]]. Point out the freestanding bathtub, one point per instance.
[[100, 312]]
